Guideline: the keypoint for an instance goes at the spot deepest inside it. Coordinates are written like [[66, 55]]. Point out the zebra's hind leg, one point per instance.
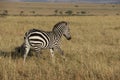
[[27, 49], [38, 52]]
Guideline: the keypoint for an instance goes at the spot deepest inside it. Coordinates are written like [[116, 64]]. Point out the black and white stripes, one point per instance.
[[38, 39]]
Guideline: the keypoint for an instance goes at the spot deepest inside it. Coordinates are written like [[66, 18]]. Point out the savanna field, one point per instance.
[[93, 53]]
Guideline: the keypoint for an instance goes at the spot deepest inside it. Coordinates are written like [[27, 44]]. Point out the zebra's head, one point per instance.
[[66, 31], [62, 28]]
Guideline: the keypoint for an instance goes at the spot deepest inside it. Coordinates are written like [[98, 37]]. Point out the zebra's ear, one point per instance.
[[66, 23]]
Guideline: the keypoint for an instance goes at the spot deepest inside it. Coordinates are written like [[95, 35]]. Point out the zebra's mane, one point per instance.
[[34, 30], [59, 23]]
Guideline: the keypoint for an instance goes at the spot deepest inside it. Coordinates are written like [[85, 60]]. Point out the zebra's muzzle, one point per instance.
[[69, 38]]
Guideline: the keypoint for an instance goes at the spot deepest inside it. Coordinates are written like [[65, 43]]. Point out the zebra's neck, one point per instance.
[[58, 32]]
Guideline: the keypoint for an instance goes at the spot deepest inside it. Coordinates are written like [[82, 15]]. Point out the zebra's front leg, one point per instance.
[[60, 51], [51, 51], [52, 54]]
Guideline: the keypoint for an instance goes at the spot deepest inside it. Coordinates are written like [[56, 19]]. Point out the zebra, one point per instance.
[[39, 39]]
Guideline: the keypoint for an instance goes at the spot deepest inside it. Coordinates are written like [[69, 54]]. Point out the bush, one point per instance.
[[5, 12], [83, 12], [61, 13], [76, 6], [56, 11], [69, 12], [21, 13]]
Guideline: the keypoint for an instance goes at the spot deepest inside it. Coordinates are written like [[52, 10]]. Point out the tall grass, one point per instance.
[[92, 54]]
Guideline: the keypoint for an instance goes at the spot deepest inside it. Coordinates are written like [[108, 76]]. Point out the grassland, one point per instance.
[[92, 54]]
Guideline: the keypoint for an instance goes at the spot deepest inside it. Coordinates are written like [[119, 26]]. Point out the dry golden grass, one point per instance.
[[92, 54]]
